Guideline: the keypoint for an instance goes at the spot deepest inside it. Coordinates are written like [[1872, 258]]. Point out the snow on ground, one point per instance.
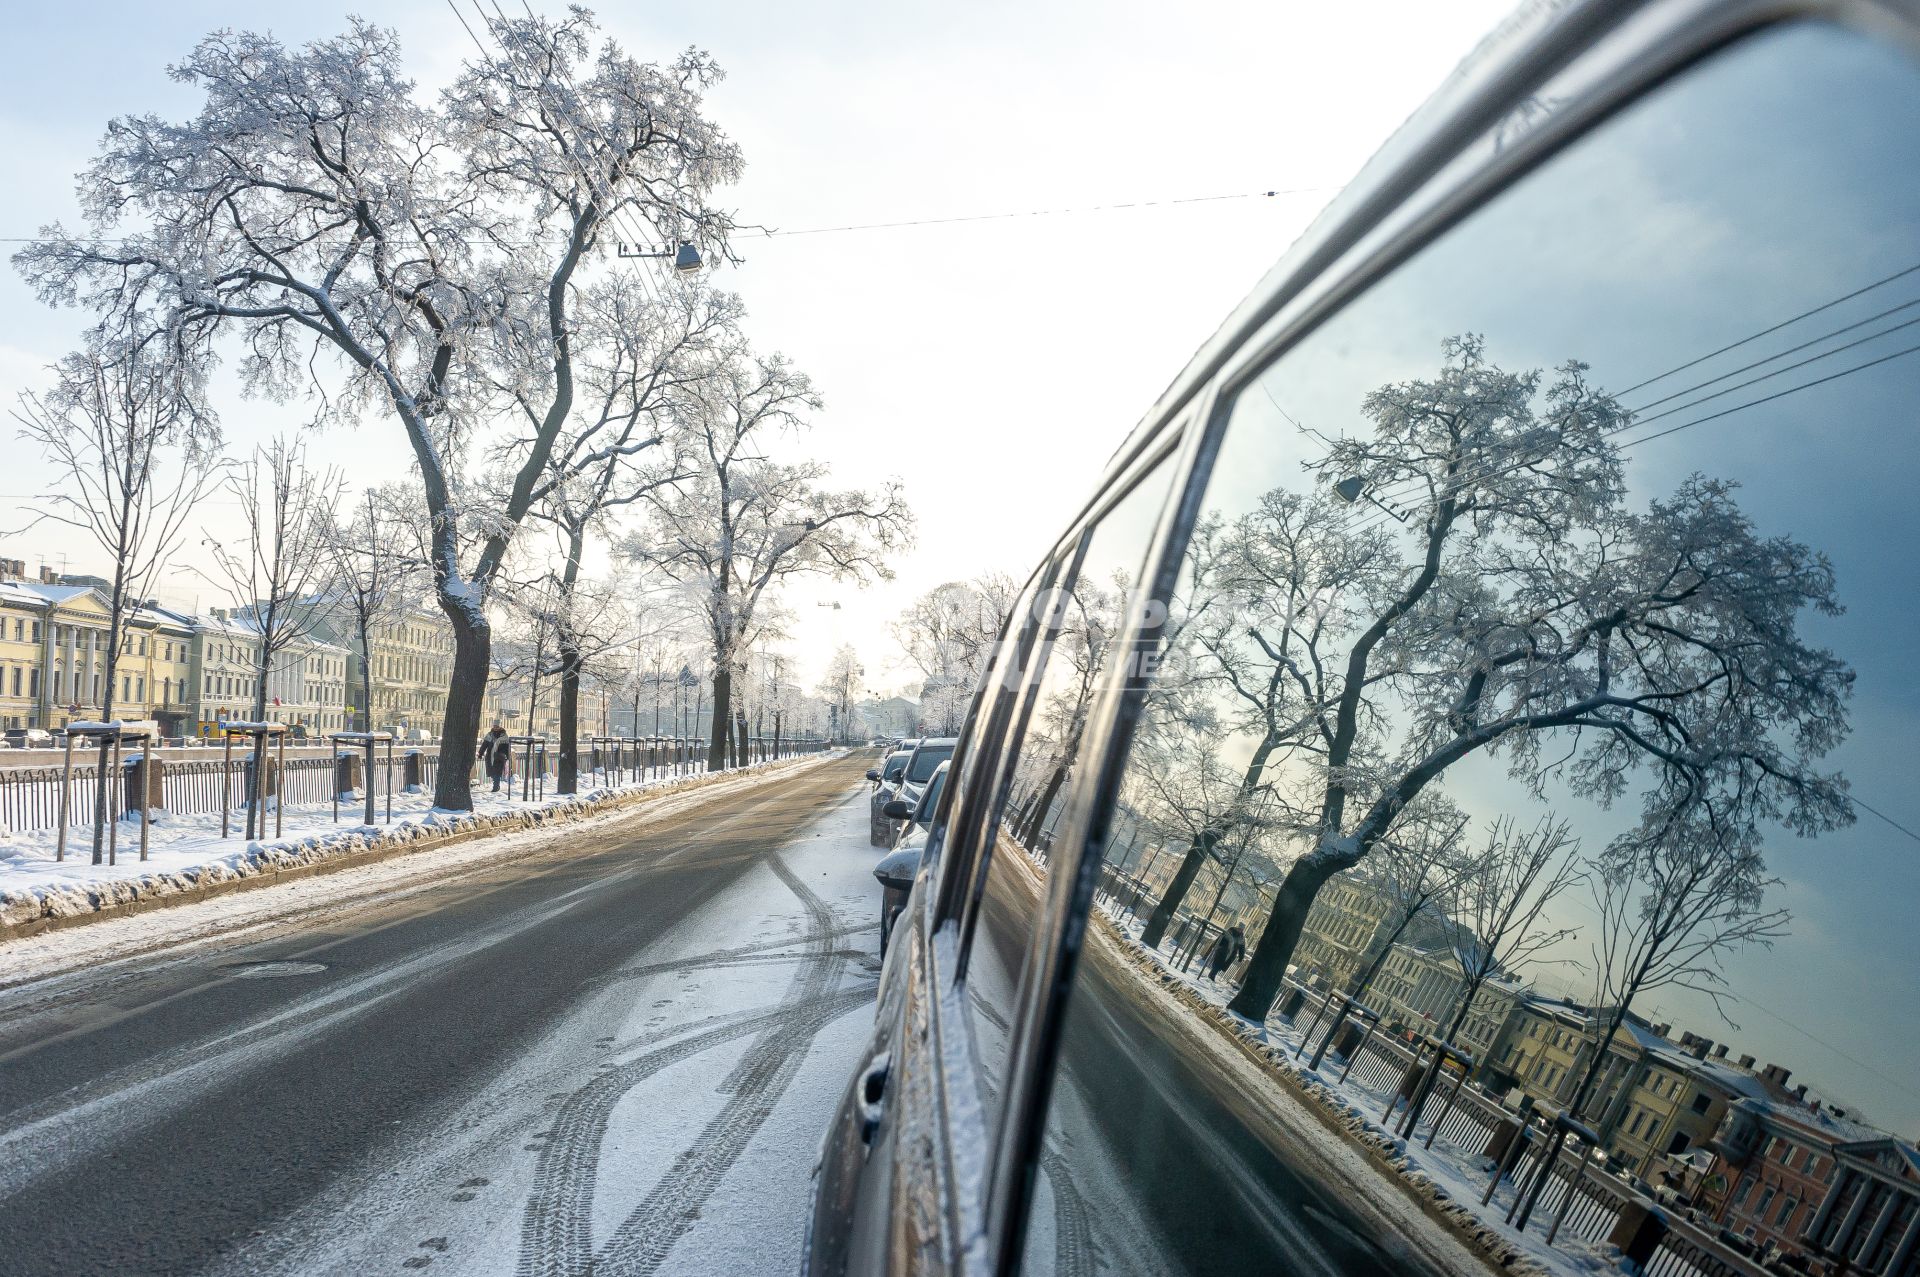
[[232, 917], [1459, 1175], [188, 851], [668, 1122]]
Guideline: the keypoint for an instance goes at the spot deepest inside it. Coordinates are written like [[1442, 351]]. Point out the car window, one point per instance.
[[925, 760], [930, 798], [894, 764], [982, 771], [1082, 619], [1591, 522]]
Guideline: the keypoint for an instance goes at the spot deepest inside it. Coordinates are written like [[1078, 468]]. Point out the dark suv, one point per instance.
[[1560, 478]]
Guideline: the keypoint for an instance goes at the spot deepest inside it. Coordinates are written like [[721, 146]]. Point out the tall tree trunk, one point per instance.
[[466, 690], [570, 662], [1190, 869], [1043, 803], [722, 703], [1267, 969], [1190, 864]]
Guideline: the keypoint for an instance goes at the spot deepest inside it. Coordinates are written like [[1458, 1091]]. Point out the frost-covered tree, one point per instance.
[[371, 577], [283, 553], [133, 453], [1674, 897], [638, 353], [840, 687], [1266, 599], [948, 634], [389, 256], [1659, 646], [742, 524]]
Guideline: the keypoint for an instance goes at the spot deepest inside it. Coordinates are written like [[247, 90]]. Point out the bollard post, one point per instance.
[[113, 802], [367, 745], [226, 782], [66, 790]]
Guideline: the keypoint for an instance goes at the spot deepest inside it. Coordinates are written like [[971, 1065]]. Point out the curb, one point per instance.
[[1380, 1148], [36, 914]]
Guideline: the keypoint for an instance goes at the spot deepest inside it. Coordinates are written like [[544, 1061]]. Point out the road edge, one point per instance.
[[27, 916]]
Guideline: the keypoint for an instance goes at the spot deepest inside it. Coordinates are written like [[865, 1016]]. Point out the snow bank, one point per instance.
[[187, 856]]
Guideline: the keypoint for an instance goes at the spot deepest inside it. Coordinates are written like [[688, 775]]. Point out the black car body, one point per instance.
[[1635, 199]]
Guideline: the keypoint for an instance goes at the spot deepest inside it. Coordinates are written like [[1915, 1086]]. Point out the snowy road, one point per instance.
[[618, 1053]]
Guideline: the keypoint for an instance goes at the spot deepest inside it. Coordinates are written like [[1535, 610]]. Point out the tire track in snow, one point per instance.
[[1072, 1233], [556, 1234], [643, 1241]]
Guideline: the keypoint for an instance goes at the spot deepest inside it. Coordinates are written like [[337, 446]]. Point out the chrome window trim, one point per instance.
[[1440, 167]]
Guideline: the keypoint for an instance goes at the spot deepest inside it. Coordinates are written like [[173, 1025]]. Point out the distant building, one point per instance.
[[306, 684], [894, 716], [54, 634], [1795, 1176]]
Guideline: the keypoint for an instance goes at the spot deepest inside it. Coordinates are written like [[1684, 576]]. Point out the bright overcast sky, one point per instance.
[[992, 365]]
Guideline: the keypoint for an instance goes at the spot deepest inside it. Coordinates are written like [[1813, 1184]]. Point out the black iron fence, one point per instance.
[[198, 785]]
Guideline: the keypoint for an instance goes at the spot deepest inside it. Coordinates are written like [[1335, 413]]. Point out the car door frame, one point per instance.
[[1591, 59]]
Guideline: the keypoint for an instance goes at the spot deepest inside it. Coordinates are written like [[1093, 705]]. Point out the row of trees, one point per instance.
[[1324, 670], [441, 266]]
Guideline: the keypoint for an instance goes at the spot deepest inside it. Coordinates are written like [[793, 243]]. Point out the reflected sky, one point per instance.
[[1769, 182]]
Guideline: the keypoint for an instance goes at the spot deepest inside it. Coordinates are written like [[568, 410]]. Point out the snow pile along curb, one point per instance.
[[1339, 1114], [28, 910]]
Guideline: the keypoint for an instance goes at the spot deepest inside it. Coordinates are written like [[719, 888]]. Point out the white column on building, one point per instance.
[[1909, 1238], [1880, 1225], [1820, 1217]]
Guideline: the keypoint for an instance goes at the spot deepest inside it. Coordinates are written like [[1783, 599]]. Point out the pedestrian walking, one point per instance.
[[1227, 950], [496, 754]]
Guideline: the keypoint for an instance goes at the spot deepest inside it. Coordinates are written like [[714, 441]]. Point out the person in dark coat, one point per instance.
[[496, 753], [1227, 950]]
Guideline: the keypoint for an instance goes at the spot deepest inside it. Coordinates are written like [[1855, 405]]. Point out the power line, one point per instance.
[[766, 232], [1863, 805], [774, 232], [1486, 471], [1492, 470], [1752, 337], [1820, 1040]]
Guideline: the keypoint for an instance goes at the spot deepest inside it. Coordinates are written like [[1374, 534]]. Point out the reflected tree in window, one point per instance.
[[1527, 602]]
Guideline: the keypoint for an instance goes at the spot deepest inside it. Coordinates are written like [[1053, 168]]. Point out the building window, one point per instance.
[[1786, 1213], [1701, 1102]]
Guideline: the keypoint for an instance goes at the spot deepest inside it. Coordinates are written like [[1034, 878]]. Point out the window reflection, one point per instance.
[[1552, 604], [1079, 621]]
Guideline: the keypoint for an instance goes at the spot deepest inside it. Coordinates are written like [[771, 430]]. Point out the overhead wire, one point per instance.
[[1494, 469]]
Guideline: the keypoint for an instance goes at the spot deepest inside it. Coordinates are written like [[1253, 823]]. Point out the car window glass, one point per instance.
[[1591, 523], [982, 764], [925, 760], [930, 800], [1082, 620]]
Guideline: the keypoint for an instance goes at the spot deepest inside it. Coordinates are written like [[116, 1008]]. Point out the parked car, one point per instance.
[[906, 782], [886, 783], [898, 868], [1514, 362], [29, 738]]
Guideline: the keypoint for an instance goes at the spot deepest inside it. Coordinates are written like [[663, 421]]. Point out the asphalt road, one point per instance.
[[617, 1053]]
